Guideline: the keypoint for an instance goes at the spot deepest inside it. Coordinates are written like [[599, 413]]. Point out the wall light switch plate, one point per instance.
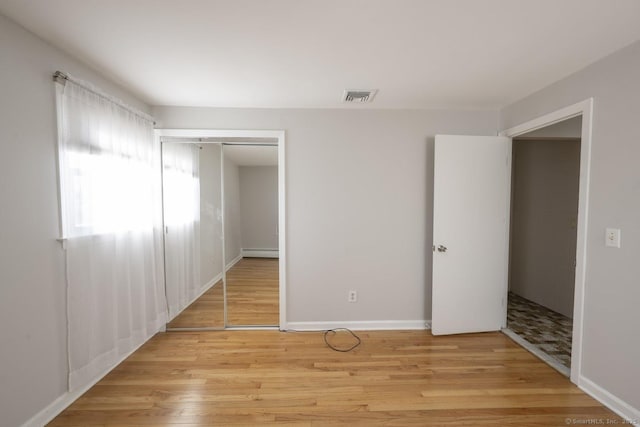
[[612, 237]]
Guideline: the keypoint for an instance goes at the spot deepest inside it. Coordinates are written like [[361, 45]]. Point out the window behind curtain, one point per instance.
[[107, 159], [109, 168]]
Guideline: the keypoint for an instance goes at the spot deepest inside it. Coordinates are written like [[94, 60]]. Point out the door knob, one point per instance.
[[442, 248]]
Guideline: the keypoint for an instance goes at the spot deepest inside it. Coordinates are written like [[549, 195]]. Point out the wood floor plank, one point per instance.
[[275, 378], [205, 312], [253, 290]]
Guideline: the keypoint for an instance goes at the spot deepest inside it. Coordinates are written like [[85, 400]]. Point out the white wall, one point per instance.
[[210, 213], [232, 213], [544, 215], [259, 205], [359, 203], [612, 295], [33, 359]]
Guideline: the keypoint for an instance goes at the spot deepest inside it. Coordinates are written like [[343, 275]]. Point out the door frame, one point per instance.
[[232, 135], [584, 109]]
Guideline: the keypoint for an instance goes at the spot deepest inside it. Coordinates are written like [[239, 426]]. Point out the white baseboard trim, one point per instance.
[[56, 407], [233, 262], [261, 253], [537, 352], [617, 405], [204, 289], [61, 403], [210, 284], [367, 325]]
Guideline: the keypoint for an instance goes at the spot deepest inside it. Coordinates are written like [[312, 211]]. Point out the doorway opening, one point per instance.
[[544, 215], [548, 229]]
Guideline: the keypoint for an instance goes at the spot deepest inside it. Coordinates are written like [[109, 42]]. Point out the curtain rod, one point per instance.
[[63, 78]]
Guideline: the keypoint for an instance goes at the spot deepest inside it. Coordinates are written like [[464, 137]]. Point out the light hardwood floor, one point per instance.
[[205, 312], [270, 377], [252, 298], [253, 292]]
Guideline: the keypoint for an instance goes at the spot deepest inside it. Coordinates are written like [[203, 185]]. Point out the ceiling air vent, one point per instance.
[[359, 96]]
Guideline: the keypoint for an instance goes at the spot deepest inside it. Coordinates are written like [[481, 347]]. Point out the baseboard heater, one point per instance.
[[260, 253]]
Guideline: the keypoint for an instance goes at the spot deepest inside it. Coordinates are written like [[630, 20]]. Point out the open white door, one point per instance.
[[471, 201]]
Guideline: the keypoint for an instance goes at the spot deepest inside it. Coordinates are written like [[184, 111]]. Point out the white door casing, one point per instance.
[[472, 181], [584, 109]]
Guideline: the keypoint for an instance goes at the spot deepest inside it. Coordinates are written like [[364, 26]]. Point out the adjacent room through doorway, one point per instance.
[[544, 214]]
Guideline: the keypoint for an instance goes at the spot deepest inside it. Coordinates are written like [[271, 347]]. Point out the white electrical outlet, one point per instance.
[[353, 296], [612, 239]]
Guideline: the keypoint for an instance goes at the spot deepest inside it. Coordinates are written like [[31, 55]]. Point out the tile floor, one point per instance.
[[544, 328]]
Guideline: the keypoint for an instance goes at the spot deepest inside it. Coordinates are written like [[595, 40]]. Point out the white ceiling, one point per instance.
[[304, 53]]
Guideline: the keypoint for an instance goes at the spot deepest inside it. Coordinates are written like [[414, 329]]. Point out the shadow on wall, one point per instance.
[[428, 243]]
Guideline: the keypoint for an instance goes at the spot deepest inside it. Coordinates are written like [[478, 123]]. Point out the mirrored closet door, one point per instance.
[[251, 234], [192, 199], [221, 233]]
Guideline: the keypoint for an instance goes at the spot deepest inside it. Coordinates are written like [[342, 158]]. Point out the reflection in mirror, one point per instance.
[[251, 234], [192, 205]]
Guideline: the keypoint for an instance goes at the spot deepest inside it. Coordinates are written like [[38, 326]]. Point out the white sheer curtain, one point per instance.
[[181, 177], [111, 220]]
